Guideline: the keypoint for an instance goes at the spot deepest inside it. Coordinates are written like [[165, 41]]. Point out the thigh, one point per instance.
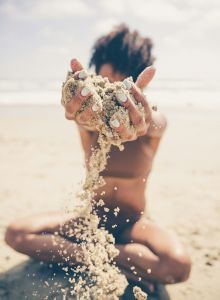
[[159, 240], [48, 222]]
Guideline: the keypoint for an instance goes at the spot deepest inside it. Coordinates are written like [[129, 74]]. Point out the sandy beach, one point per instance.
[[42, 164]]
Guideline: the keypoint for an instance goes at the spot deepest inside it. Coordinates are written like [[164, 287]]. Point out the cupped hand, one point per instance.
[[73, 109], [140, 122]]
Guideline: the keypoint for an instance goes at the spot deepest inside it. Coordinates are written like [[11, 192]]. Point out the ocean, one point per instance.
[[162, 92]]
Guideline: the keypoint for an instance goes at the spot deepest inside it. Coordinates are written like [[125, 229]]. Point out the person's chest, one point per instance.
[[134, 161]]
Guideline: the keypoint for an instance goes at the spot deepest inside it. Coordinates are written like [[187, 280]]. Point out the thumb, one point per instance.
[[145, 77], [75, 65]]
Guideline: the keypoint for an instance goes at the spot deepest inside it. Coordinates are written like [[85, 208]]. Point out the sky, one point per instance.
[[39, 37]]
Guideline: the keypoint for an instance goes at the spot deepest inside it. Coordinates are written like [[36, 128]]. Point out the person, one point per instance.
[[155, 252]]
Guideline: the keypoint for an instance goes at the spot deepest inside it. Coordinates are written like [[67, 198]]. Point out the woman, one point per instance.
[[156, 253]]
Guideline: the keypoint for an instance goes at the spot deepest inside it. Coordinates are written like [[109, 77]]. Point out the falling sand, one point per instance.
[[96, 273]]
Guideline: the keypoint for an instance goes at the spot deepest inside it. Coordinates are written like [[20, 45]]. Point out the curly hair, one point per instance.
[[128, 52]]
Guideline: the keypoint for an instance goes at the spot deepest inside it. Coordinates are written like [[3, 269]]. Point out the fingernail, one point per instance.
[[151, 68], [121, 97], [73, 61], [82, 74], [115, 123], [127, 83], [85, 91], [95, 107]]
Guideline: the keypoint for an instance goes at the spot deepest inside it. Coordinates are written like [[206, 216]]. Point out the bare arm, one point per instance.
[[158, 124], [156, 130]]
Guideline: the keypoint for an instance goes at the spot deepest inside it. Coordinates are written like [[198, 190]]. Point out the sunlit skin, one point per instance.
[[156, 253]]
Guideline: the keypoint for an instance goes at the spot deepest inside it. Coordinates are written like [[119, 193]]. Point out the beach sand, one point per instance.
[[42, 163]]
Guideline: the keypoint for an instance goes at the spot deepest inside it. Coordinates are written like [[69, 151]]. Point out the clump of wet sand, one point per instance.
[[139, 294], [103, 279]]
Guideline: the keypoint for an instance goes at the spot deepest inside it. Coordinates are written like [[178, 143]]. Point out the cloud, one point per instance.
[[104, 25], [157, 11], [64, 8], [212, 19], [55, 50], [45, 9], [188, 30], [116, 7]]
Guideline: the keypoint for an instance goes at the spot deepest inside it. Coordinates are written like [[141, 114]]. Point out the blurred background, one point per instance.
[[41, 161], [38, 38]]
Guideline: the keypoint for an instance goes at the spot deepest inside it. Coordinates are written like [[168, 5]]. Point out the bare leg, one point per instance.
[[40, 238], [147, 251], [152, 253]]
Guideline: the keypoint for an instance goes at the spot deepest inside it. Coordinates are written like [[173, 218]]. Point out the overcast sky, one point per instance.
[[38, 37]]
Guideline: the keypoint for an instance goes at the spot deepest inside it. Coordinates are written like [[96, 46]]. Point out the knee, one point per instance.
[[178, 266], [15, 236]]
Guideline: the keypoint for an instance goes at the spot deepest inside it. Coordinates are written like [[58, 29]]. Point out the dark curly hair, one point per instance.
[[127, 52]]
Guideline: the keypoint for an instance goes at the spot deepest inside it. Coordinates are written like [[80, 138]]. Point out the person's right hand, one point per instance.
[[72, 108]]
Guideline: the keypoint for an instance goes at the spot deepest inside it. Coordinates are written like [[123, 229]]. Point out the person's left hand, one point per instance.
[[139, 123]]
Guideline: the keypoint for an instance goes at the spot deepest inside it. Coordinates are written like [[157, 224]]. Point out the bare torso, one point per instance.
[[126, 177]]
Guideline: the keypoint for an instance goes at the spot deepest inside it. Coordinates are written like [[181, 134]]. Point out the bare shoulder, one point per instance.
[[156, 130], [160, 119]]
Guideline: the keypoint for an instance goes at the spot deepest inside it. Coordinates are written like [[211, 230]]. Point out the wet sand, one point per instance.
[[42, 162]]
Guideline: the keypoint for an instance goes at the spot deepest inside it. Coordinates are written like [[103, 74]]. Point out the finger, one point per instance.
[[139, 96], [75, 65], [119, 127], [135, 117], [89, 114], [145, 77], [73, 106], [80, 75]]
